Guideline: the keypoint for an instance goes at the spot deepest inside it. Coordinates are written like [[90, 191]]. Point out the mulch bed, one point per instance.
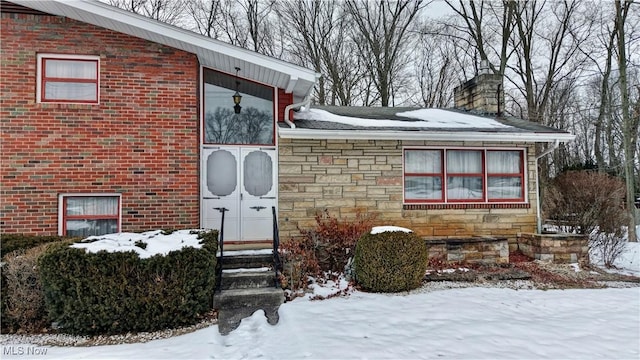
[[544, 275]]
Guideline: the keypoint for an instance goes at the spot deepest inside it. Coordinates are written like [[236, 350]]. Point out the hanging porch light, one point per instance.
[[237, 97]]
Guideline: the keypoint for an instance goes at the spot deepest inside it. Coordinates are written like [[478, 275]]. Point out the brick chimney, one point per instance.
[[483, 94]]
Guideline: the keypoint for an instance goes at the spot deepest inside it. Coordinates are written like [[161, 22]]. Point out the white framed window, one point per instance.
[[89, 214], [464, 175], [68, 79]]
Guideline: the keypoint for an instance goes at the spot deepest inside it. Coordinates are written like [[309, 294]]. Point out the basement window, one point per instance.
[[68, 79], [89, 214], [464, 176]]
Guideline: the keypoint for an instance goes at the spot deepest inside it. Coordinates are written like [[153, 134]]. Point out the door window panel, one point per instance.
[[221, 173], [258, 173]]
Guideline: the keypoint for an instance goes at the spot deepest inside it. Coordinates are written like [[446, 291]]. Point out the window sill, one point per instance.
[[465, 206], [47, 105]]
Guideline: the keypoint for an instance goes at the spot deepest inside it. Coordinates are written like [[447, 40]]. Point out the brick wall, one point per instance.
[[140, 141], [347, 176]]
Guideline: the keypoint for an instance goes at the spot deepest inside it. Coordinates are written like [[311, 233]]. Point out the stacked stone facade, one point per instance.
[[347, 177], [483, 250], [484, 93], [556, 248]]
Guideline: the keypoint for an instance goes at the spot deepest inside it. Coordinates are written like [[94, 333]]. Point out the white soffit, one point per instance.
[[210, 52]]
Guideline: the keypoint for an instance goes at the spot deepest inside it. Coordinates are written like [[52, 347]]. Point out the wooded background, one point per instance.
[[571, 64]]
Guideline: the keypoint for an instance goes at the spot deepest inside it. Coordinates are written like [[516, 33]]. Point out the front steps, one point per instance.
[[248, 284]]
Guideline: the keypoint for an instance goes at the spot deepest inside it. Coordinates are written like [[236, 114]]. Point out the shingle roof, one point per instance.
[[385, 122]]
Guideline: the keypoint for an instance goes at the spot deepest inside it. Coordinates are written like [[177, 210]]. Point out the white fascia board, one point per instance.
[[103, 15], [299, 133]]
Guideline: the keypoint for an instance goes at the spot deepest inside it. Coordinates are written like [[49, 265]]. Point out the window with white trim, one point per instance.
[[88, 214], [68, 79], [464, 175]]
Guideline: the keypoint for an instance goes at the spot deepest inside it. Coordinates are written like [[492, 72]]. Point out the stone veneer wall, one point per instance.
[[350, 176], [485, 250], [557, 248]]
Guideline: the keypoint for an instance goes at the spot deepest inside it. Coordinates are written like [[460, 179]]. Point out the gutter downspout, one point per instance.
[[538, 211], [288, 108]]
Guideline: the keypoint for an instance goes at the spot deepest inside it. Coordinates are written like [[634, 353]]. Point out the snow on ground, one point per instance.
[[156, 242], [628, 263], [468, 323], [472, 323], [424, 118]]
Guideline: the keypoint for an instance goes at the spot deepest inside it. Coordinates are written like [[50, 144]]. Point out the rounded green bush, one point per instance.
[[390, 261]]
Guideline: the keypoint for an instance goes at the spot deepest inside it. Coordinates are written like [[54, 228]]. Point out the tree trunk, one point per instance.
[[622, 9]]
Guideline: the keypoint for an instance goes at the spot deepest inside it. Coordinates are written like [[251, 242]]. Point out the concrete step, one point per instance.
[[231, 261], [247, 279], [255, 297], [236, 304]]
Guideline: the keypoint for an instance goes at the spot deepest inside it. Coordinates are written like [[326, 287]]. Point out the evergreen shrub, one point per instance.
[[390, 261], [13, 242], [23, 304], [118, 292]]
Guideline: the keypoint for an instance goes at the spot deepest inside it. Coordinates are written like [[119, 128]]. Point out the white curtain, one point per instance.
[[464, 161], [422, 188], [422, 162], [68, 89], [89, 205], [504, 187], [503, 162]]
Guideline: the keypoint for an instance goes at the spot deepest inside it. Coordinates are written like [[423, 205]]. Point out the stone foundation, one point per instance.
[[487, 250], [557, 248]]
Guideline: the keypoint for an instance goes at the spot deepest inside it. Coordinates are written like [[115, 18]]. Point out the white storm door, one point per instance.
[[258, 193], [221, 190], [243, 181]]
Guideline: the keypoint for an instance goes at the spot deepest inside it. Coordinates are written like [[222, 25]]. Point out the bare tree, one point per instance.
[[488, 26], [435, 65], [167, 11], [205, 15], [313, 24], [630, 126], [380, 30]]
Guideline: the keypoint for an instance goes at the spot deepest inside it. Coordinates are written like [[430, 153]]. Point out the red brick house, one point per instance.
[[114, 122], [102, 125]]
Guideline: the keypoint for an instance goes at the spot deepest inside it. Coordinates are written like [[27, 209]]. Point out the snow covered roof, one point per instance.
[[389, 123], [211, 53]]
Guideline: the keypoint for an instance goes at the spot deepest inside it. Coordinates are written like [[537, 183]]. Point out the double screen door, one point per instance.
[[242, 180]]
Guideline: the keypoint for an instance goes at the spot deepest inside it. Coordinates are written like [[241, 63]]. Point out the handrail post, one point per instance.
[[276, 245], [220, 246]]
